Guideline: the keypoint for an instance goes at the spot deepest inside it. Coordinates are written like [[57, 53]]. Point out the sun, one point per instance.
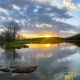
[[47, 35]]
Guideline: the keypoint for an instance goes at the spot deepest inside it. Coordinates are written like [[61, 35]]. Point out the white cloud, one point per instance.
[[78, 6], [15, 7], [69, 31], [69, 4], [43, 25], [72, 32], [41, 0], [56, 3], [51, 2]]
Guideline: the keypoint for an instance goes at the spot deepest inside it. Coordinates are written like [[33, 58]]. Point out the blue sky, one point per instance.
[[59, 17]]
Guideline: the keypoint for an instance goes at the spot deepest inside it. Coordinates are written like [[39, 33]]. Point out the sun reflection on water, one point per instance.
[[43, 46], [47, 45]]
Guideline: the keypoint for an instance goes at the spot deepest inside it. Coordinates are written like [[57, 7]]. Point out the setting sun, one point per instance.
[[46, 36]]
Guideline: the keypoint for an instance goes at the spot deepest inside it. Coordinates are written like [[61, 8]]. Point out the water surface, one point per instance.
[[54, 61]]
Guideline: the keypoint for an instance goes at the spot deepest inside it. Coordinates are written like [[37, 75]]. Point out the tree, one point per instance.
[[10, 30]]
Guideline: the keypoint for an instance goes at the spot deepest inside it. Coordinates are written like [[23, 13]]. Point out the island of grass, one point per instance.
[[16, 44]]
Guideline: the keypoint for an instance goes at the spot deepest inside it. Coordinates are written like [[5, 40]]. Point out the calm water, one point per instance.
[[54, 61]]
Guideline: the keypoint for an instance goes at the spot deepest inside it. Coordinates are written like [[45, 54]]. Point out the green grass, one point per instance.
[[16, 44]]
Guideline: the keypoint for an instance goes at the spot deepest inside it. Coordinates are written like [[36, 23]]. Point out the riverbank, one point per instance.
[[16, 44]]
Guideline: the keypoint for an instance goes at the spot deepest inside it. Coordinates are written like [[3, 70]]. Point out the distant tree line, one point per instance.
[[74, 37]]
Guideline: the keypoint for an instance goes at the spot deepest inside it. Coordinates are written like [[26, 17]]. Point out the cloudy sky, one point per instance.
[[39, 17]]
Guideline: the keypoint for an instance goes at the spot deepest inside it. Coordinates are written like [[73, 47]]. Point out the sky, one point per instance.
[[42, 17]]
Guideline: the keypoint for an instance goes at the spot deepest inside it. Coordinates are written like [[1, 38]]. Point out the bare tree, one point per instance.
[[10, 30]]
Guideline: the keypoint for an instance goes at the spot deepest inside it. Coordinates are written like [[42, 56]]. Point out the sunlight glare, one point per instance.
[[47, 45], [47, 36]]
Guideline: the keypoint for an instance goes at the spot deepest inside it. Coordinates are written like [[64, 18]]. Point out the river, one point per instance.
[[54, 61]]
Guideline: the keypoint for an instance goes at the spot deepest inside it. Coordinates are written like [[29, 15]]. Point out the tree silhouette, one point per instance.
[[10, 30]]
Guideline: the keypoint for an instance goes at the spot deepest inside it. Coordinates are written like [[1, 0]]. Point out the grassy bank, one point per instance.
[[16, 44]]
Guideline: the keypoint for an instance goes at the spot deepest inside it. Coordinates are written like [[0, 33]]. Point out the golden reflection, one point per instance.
[[47, 45], [43, 46], [70, 76]]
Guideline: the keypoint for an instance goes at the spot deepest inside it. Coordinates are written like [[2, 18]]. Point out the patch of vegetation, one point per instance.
[[16, 44]]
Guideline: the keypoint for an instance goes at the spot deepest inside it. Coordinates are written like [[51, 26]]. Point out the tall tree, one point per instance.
[[10, 30]]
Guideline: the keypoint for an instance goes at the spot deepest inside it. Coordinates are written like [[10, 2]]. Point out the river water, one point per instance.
[[54, 61]]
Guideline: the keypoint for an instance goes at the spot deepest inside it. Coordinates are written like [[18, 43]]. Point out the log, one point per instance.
[[24, 69]]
